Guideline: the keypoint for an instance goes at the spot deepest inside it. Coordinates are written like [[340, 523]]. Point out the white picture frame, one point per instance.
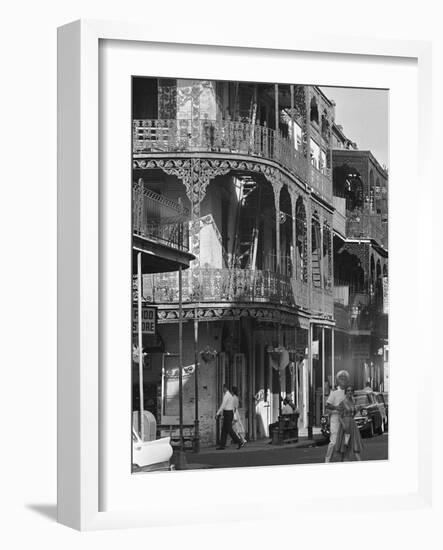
[[85, 280]]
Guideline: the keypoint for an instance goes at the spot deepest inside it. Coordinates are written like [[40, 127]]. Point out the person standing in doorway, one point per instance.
[[332, 406], [227, 410]]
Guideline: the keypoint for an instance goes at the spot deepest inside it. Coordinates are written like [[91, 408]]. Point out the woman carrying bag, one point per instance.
[[348, 439], [237, 424]]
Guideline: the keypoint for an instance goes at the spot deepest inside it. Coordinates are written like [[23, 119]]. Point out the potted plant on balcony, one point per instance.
[[279, 357], [208, 354]]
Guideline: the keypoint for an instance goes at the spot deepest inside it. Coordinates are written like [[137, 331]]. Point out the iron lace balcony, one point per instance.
[[210, 285], [223, 136]]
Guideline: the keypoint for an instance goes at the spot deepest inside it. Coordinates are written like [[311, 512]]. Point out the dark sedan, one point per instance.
[[369, 418]]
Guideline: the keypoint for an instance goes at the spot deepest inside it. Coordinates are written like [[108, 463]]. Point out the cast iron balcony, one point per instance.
[[210, 285], [159, 219], [223, 136]]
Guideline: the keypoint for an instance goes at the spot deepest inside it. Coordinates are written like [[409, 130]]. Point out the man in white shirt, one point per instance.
[[332, 403], [227, 410]]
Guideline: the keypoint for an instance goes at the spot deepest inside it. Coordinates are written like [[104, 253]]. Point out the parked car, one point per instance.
[[369, 417], [383, 402], [150, 455]]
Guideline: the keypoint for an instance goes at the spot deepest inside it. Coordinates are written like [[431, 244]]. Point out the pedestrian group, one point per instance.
[[344, 433]]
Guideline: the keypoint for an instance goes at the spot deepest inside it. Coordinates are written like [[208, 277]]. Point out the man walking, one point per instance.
[[227, 410], [332, 403]]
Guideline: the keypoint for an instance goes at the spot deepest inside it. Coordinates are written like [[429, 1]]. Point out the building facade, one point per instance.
[[360, 187], [251, 165]]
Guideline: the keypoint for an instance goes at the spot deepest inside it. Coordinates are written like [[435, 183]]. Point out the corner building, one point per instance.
[[251, 164]]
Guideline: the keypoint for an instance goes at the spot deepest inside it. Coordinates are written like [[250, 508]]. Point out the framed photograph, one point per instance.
[[235, 288]]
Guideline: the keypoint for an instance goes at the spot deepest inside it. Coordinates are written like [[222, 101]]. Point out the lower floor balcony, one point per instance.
[[210, 285]]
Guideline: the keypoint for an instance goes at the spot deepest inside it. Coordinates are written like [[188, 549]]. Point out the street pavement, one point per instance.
[[262, 454]]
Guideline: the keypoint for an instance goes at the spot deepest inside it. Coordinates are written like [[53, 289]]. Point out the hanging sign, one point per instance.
[[149, 319]]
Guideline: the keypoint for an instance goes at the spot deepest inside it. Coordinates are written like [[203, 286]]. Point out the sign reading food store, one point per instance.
[[149, 319]]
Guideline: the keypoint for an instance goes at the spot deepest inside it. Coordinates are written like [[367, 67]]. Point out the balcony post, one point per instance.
[[309, 249], [196, 364], [323, 370], [140, 341], [291, 91], [180, 355], [310, 382], [276, 186], [276, 109], [294, 273], [308, 133], [332, 355]]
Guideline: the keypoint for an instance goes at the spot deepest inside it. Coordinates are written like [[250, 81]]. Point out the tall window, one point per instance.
[[301, 241], [327, 257], [316, 253]]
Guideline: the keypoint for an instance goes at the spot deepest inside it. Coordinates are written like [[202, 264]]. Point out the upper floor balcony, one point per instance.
[[229, 137], [210, 285], [213, 285], [160, 229], [366, 225], [358, 309], [339, 219]]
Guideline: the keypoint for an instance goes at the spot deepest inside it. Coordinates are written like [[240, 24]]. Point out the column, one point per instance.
[[332, 355], [291, 93], [294, 236], [308, 131], [140, 343], [309, 248], [276, 186], [309, 401], [323, 370], [276, 108]]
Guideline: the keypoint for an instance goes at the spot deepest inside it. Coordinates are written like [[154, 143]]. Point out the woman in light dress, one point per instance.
[[348, 439], [237, 424]]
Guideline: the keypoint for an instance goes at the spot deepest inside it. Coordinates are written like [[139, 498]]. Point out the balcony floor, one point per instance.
[[157, 257]]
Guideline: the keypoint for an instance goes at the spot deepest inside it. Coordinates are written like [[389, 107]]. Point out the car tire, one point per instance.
[[371, 430]]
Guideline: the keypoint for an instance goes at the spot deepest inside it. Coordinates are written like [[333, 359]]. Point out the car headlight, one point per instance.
[[364, 412]]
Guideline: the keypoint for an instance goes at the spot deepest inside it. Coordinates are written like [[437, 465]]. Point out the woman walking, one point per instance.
[[348, 438], [237, 424]]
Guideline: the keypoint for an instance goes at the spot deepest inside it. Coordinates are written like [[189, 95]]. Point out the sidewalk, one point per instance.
[[195, 460], [263, 445]]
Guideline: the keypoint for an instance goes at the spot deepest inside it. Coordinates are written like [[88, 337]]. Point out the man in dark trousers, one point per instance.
[[227, 410]]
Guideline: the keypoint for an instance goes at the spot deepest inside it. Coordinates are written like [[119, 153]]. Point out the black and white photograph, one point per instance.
[[260, 274], [222, 271]]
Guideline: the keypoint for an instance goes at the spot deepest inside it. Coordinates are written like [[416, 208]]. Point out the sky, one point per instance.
[[363, 113]]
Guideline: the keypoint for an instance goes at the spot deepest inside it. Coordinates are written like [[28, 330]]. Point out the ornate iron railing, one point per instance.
[[322, 301], [174, 234], [365, 225], [159, 218], [322, 182], [225, 285], [181, 135], [339, 218]]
